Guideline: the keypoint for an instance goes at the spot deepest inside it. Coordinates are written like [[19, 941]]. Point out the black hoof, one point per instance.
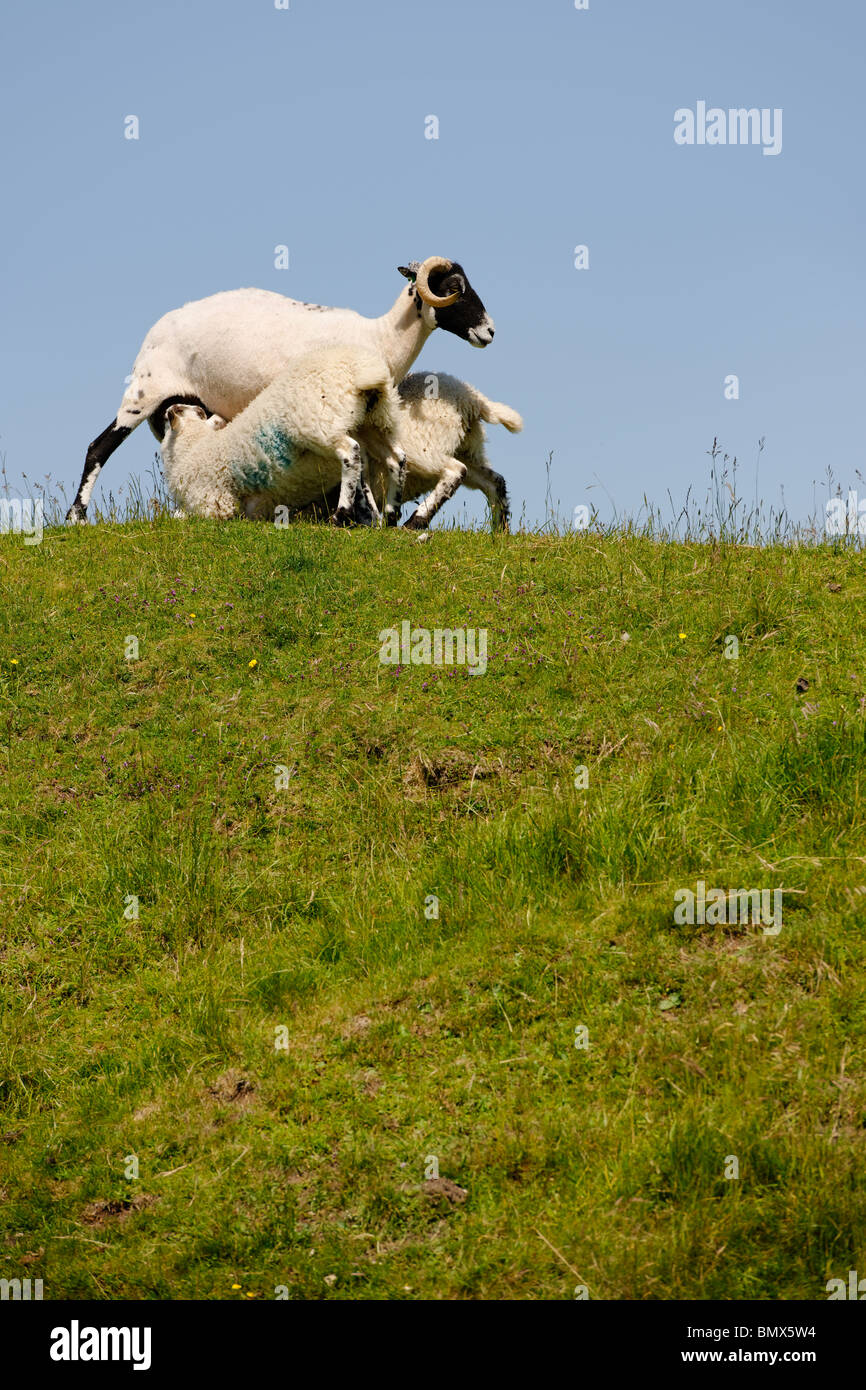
[[413, 524], [342, 517]]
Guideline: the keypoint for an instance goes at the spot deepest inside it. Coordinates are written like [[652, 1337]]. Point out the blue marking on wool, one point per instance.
[[276, 455], [278, 446]]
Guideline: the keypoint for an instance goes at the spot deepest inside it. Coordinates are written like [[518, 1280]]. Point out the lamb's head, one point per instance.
[[188, 422], [448, 300]]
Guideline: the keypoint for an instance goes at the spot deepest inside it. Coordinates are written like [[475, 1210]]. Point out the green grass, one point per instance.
[[302, 908]]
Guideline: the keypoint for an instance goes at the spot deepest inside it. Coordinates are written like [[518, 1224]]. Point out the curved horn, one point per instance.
[[436, 301]]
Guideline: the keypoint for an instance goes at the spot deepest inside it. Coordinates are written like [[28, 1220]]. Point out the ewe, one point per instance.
[[292, 443], [220, 352]]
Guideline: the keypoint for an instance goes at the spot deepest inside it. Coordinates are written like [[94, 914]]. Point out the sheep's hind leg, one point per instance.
[[104, 445], [101, 449], [495, 489], [348, 451], [453, 474]]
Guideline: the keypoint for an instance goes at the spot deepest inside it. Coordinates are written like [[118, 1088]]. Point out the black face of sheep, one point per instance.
[[456, 307]]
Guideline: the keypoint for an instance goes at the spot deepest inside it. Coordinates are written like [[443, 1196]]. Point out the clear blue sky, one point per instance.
[[305, 126]]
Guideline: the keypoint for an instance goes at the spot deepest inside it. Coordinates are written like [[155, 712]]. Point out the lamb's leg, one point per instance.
[[481, 476], [366, 511], [385, 467], [453, 474], [348, 451], [101, 449], [395, 467]]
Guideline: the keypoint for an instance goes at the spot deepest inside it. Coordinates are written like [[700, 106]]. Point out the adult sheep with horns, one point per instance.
[[219, 353]]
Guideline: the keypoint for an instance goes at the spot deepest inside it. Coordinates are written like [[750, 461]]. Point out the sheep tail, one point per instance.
[[495, 413]]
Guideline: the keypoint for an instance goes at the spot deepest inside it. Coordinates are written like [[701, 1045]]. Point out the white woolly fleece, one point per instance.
[[290, 443], [227, 348], [444, 441]]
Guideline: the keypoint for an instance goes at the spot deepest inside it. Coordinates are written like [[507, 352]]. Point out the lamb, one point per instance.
[[291, 443], [443, 438], [219, 353]]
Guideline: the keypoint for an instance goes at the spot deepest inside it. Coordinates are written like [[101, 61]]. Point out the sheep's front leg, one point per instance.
[[348, 451], [382, 464], [366, 511], [453, 473]]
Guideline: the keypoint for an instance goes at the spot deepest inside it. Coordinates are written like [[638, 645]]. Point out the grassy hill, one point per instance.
[[287, 1044]]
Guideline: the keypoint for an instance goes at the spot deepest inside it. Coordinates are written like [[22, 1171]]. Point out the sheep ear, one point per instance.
[[172, 417], [217, 422], [410, 271]]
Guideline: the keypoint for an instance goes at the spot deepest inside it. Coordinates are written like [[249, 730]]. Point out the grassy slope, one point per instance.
[[410, 1037]]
